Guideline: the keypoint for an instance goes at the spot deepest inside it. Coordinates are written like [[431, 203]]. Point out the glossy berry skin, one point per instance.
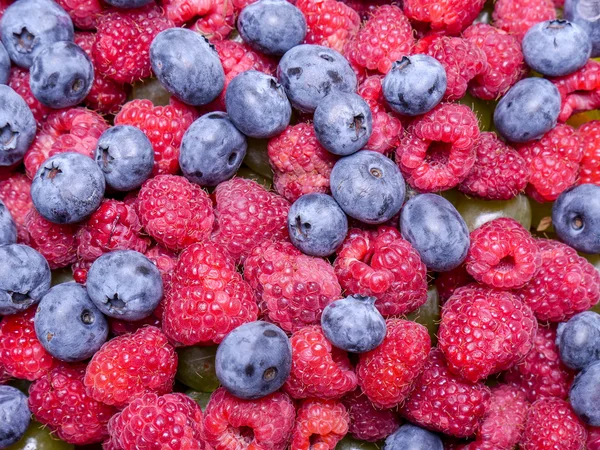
[[444, 16], [354, 324], [61, 75], [578, 340], [582, 13], [368, 186], [518, 16], [272, 27], [584, 394], [212, 150], [324, 422], [67, 188], [415, 85], [24, 278], [57, 243], [14, 415], [528, 110], [343, 123], [125, 156], [29, 26], [310, 72], [187, 66], [413, 437], [576, 218], [8, 228], [4, 65], [254, 360], [436, 230], [125, 284], [368, 423], [570, 44], [87, 330], [317, 225], [19, 130]]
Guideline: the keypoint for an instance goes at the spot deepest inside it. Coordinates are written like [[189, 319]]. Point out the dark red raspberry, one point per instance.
[[19, 81], [232, 423], [447, 282], [21, 354], [56, 243], [447, 16], [381, 264], [384, 38], [59, 401], [83, 13], [499, 173], [214, 18], [516, 17], [566, 284], [246, 215], [16, 196], [368, 423], [444, 402], [579, 91], [320, 424], [590, 163], [119, 327], [318, 369], [438, 152], [553, 162], [170, 422], [131, 365], [542, 373], [593, 442], [163, 125]]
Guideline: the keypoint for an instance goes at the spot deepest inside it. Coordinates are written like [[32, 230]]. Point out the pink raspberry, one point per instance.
[[579, 91], [56, 243], [516, 17], [320, 424], [213, 18]]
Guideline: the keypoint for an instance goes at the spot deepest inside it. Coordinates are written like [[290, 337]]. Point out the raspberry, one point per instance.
[[80, 271], [579, 91], [552, 425], [300, 165], [163, 125], [293, 288], [320, 425], [175, 212], [131, 365], [447, 16], [83, 13], [318, 369], [365, 9], [67, 130], [381, 264], [590, 163], [21, 353], [447, 282], [55, 242], [19, 81], [164, 259], [207, 298], [516, 17], [499, 173], [386, 374], [119, 327], [593, 442], [383, 39], [505, 63], [484, 331], [329, 22], [438, 152], [503, 254], [217, 16], [566, 284], [121, 50], [270, 420], [542, 373], [368, 423], [59, 401], [444, 402], [16, 196], [169, 422], [553, 162]]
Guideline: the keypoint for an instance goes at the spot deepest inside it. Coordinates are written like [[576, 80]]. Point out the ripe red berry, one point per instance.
[[16, 196], [368, 423], [19, 82], [579, 90], [320, 424], [447, 16], [590, 163], [83, 13], [447, 282], [593, 442], [516, 17], [56, 243], [213, 18]]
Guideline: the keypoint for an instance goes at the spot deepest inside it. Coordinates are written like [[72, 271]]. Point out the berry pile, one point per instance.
[[299, 224]]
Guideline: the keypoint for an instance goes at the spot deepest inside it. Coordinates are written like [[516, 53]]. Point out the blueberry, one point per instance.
[[125, 284], [125, 156], [257, 105], [576, 217], [24, 278], [4, 65], [415, 85], [87, 329], [61, 75], [528, 110], [353, 324], [272, 26], [8, 228], [187, 65], [585, 394], [578, 340], [412, 437], [129, 4], [317, 225], [212, 150], [17, 127], [29, 25], [585, 13], [343, 123], [311, 72], [14, 415], [254, 360], [67, 188], [436, 230], [368, 186]]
